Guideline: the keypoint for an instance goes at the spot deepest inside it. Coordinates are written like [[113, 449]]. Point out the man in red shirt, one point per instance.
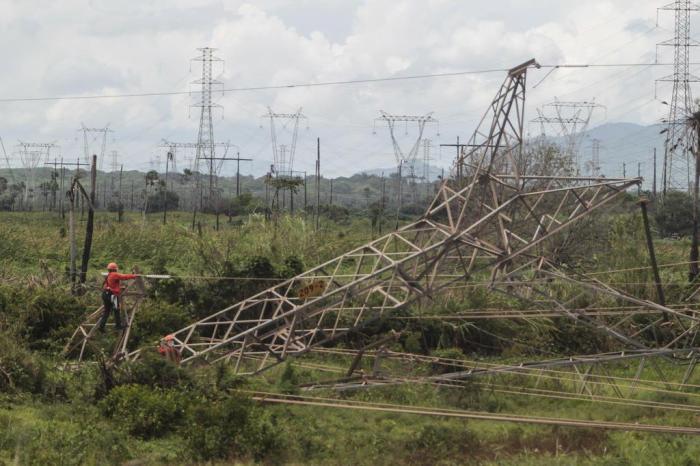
[[111, 290]]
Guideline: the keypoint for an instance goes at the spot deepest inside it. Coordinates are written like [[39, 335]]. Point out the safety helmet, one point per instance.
[[170, 337], [112, 266]]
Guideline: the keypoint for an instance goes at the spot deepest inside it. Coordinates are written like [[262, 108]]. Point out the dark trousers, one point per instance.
[[111, 303]]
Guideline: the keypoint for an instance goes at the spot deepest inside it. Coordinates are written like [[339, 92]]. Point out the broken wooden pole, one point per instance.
[[661, 299], [90, 222]]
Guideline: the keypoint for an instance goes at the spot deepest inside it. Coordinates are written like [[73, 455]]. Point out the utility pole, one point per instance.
[[624, 170], [639, 175], [331, 200], [305, 180], [120, 207], [168, 158], [653, 185], [381, 215], [318, 181], [458, 147], [90, 221]]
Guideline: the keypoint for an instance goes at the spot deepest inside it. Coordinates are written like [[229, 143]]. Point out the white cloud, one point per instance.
[[71, 47]]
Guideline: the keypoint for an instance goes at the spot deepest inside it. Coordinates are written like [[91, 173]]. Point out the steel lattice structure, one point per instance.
[[489, 220], [676, 170]]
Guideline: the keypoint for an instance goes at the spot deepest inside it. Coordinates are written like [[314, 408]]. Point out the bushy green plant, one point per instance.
[[152, 370], [20, 370], [228, 429], [145, 412]]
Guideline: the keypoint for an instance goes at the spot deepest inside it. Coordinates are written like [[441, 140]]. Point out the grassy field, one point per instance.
[[153, 412]]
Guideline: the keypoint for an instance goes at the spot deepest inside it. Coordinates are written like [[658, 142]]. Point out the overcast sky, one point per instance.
[[73, 48]]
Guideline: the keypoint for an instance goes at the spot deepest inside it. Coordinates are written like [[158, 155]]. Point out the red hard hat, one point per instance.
[[170, 337], [112, 266]]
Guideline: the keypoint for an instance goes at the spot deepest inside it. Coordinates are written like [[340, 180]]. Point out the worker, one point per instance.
[[111, 289], [167, 349]]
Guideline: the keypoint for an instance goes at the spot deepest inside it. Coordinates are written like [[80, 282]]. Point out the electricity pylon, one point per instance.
[[33, 154], [206, 147], [495, 223], [404, 159], [103, 144], [678, 144], [568, 121], [282, 175]]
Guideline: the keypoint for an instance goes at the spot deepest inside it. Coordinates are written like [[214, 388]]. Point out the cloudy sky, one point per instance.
[[103, 47]]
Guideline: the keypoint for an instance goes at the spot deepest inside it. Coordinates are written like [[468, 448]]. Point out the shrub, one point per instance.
[[231, 428], [145, 412], [152, 370], [157, 319], [20, 370]]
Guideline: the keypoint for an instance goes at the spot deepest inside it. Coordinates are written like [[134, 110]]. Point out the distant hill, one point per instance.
[[627, 143]]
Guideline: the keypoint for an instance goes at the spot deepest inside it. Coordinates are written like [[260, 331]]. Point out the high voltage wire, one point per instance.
[[322, 84]]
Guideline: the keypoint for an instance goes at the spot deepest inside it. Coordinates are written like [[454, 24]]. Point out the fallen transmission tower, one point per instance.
[[489, 219]]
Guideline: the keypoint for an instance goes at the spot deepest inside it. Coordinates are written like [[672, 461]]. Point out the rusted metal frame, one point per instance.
[[559, 228], [617, 187], [583, 203], [531, 213], [611, 381], [693, 328], [501, 227], [121, 347], [514, 92], [689, 371], [513, 272], [577, 316], [290, 336], [604, 288], [358, 357], [410, 298], [553, 217], [583, 378], [630, 317], [597, 360]]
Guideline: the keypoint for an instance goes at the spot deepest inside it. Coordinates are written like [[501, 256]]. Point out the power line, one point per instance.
[[322, 84]]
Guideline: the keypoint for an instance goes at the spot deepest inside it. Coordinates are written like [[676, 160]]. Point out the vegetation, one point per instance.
[[154, 412]]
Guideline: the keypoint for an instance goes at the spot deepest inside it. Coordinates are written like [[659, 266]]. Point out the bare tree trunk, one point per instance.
[[71, 235]]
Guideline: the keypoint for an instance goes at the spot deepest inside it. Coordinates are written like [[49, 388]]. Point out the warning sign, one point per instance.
[[314, 288]]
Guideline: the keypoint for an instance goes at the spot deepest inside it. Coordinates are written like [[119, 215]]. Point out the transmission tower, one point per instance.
[[96, 133], [283, 155], [676, 169], [401, 158], [569, 122], [206, 148], [592, 166], [32, 154]]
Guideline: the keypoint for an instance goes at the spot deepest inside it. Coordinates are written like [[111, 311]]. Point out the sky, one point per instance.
[[101, 47]]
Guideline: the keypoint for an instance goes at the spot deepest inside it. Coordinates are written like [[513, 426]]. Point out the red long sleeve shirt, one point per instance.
[[113, 279]]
